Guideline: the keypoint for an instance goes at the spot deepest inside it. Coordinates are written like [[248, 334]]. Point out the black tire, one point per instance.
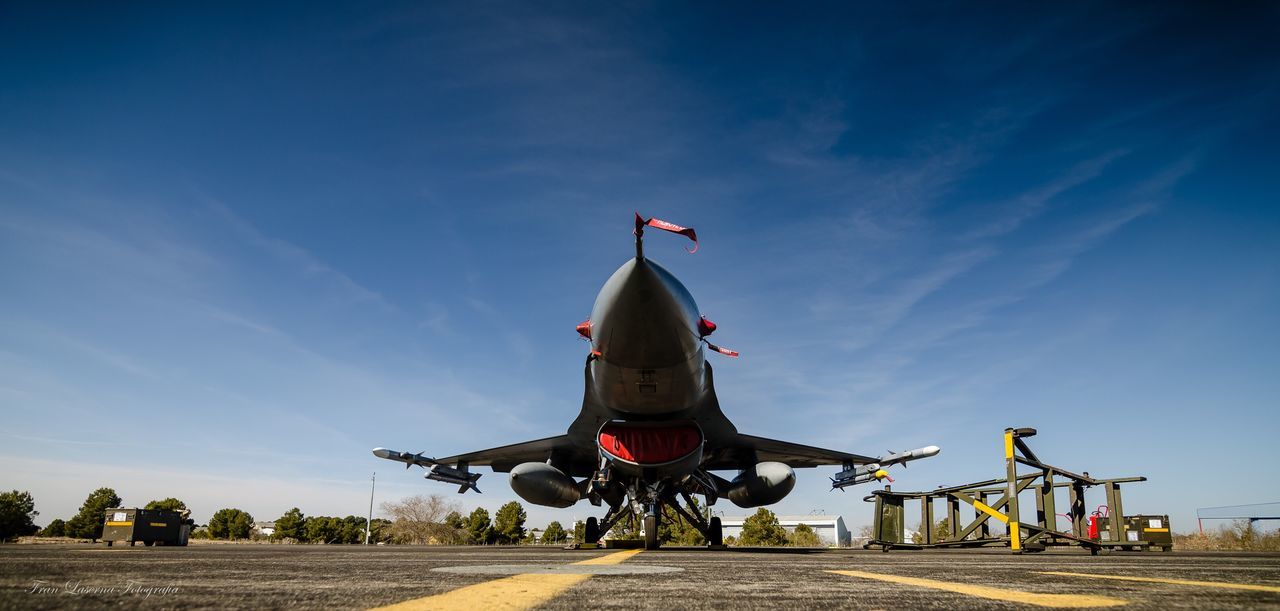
[[717, 532], [651, 531], [148, 543], [592, 531]]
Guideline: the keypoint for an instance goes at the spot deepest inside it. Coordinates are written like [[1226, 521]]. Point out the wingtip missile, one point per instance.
[[876, 471], [909, 455], [459, 474], [407, 458]]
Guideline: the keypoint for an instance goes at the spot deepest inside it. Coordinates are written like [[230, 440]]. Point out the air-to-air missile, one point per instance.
[[435, 471], [876, 471]]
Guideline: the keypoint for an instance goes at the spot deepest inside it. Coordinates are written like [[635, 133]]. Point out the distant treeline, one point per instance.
[[1241, 535]]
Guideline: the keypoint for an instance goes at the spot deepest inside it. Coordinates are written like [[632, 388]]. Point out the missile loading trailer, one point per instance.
[[147, 526], [1007, 501]]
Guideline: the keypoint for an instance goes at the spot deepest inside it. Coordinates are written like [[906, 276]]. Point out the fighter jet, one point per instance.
[[651, 433]]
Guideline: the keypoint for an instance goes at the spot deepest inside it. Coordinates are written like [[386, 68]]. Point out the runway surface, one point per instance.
[[356, 577]]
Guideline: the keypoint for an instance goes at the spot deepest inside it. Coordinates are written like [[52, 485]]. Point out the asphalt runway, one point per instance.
[[357, 577]]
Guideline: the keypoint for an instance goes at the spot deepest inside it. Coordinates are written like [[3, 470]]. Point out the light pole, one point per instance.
[[368, 524]]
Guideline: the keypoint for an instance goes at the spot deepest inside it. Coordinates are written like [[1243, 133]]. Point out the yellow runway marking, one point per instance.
[[515, 592], [1028, 598], [1179, 582]]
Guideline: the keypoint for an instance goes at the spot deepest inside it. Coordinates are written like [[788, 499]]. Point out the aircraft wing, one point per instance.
[[737, 454], [503, 459], [456, 469]]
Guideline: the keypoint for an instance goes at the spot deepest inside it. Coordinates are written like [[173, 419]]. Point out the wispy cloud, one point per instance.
[[1033, 202], [220, 314], [305, 262]]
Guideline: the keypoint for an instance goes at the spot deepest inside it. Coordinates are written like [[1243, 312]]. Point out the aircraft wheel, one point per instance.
[[591, 532], [717, 532], [651, 531]]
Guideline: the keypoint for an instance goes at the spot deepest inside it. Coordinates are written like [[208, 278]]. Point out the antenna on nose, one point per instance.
[[639, 233]]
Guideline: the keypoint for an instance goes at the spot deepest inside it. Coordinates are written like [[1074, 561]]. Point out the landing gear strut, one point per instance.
[[651, 508]]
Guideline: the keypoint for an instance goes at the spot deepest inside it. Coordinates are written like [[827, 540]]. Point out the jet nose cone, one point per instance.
[[644, 317]]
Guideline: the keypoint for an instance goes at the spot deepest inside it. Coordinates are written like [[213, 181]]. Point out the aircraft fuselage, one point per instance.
[[644, 334]]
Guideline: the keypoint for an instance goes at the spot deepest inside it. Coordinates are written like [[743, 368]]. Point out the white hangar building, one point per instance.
[[830, 529]]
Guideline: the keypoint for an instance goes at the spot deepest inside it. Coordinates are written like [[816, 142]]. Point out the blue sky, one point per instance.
[[242, 245]]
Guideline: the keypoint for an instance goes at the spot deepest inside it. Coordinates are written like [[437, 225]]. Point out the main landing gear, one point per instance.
[[711, 529]]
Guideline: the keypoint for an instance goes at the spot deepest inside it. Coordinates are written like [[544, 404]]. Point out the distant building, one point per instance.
[[265, 529], [831, 530], [535, 535]]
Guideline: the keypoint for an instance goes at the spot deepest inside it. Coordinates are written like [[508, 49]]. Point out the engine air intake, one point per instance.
[[650, 444]]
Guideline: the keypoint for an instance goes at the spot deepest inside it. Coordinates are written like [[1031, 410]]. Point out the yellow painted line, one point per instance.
[[614, 558], [1179, 582], [1156, 530], [524, 591], [119, 523], [1008, 444], [1015, 596], [984, 508]]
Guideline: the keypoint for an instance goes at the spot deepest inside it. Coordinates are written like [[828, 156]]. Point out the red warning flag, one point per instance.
[[687, 232], [723, 351]]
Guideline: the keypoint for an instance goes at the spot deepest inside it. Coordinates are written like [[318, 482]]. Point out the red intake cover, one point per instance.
[[648, 444]]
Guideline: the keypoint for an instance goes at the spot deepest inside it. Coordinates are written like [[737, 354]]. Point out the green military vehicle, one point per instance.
[[146, 526]]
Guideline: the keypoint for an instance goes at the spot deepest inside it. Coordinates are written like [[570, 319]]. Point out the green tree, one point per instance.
[[803, 536], [628, 528], [942, 530], [679, 531], [381, 531], [353, 529], [324, 529], [169, 504], [17, 515], [508, 523], [455, 529], [56, 528], [762, 528], [231, 524], [554, 534], [291, 525], [579, 531], [88, 523], [479, 531]]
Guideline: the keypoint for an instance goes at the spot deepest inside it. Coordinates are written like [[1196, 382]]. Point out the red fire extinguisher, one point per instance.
[[1102, 511]]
